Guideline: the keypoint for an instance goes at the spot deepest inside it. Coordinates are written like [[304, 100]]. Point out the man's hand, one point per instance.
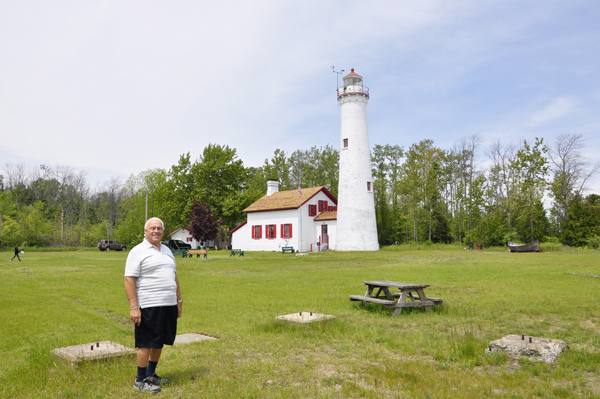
[[136, 316]]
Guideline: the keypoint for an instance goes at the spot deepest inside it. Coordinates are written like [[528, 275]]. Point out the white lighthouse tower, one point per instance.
[[356, 223]]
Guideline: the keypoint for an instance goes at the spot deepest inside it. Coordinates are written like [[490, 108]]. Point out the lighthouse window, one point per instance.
[[345, 143], [369, 186]]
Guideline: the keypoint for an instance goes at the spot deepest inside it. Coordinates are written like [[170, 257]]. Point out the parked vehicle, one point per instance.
[[107, 245], [176, 244]]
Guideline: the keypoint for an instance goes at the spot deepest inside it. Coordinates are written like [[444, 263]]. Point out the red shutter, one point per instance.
[[282, 231], [324, 206], [253, 231]]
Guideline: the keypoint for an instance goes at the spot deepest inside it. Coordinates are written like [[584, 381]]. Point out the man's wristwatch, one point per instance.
[[180, 301]]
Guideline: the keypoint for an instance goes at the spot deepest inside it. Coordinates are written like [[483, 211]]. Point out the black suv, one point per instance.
[[176, 244], [107, 245]]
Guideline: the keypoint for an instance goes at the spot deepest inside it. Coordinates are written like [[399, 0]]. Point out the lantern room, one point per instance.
[[353, 84]]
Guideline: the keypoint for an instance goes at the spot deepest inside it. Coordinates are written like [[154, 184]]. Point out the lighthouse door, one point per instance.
[[324, 236]]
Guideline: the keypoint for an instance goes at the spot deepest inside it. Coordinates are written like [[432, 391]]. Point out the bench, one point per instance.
[[436, 301], [236, 251], [197, 252], [289, 249], [180, 252], [390, 304], [371, 299]]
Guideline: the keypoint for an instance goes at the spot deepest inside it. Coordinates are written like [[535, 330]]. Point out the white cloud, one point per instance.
[[557, 109]]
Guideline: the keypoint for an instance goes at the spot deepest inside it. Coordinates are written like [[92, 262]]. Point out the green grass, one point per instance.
[[55, 299]]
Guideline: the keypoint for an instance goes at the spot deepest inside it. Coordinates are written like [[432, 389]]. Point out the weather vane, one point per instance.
[[337, 77]]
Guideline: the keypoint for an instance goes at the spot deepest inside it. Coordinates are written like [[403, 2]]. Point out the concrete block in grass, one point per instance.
[[192, 337], [534, 348], [304, 317], [92, 351]]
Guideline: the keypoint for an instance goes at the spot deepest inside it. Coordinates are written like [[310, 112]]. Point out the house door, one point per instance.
[[324, 236]]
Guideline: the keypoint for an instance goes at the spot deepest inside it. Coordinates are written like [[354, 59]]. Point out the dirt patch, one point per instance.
[[115, 316], [587, 324]]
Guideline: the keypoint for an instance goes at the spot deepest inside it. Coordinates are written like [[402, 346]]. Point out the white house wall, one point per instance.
[[242, 238], [183, 235]]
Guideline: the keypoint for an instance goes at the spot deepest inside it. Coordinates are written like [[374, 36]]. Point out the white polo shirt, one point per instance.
[[154, 271]]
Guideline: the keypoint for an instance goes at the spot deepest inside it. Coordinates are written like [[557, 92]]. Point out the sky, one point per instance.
[[114, 88]]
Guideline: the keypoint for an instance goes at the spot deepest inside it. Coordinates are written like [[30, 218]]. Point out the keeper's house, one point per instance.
[[282, 219]]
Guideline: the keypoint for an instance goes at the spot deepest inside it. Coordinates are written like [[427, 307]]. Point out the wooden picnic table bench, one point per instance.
[[236, 251], [414, 292], [198, 252], [289, 249]]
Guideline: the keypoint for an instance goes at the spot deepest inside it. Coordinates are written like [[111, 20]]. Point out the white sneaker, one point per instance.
[[146, 386]]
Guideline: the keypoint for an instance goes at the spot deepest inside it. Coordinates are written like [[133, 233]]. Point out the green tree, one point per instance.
[[217, 179], [278, 169], [531, 169], [419, 184], [140, 190], [583, 221], [571, 174]]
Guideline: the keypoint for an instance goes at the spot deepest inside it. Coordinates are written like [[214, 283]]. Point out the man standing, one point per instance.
[[16, 254], [155, 302]]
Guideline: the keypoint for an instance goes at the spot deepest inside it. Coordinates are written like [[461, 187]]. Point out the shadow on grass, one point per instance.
[[377, 309]]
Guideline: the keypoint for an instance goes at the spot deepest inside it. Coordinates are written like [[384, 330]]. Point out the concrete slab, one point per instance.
[[93, 351], [192, 337], [304, 317], [302, 254], [535, 348]]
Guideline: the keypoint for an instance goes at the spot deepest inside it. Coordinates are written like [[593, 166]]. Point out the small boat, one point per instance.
[[533, 246]]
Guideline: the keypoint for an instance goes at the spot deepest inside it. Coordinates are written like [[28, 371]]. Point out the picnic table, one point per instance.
[[414, 292]]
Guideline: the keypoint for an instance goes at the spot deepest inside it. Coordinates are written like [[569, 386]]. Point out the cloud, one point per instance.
[[558, 109]]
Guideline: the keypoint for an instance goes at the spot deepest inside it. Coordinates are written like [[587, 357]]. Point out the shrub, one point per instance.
[[551, 246], [594, 242]]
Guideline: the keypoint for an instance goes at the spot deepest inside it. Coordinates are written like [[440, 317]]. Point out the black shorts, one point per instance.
[[158, 327]]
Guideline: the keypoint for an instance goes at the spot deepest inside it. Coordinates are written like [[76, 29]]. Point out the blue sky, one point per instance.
[[115, 88]]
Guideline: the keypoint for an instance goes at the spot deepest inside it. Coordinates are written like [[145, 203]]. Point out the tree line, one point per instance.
[[507, 191]]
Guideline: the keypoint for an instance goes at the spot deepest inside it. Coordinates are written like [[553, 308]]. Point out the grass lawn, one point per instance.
[[56, 299]]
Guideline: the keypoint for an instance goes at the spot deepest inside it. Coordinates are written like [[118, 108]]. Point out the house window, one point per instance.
[[345, 143], [257, 232], [369, 186], [270, 231], [322, 206], [312, 210], [286, 231]]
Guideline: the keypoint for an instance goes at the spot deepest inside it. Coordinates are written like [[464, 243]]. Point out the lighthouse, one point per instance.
[[356, 223]]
